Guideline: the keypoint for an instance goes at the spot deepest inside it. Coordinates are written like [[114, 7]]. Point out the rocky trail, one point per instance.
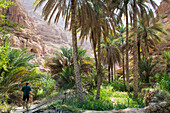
[[37, 108], [32, 109]]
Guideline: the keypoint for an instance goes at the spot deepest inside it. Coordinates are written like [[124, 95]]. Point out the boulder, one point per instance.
[[164, 104]]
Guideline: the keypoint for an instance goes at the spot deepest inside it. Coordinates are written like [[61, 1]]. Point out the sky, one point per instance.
[[158, 1]]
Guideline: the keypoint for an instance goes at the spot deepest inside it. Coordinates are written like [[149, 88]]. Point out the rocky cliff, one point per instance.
[[164, 12], [53, 35], [17, 13], [42, 39], [39, 37], [28, 37]]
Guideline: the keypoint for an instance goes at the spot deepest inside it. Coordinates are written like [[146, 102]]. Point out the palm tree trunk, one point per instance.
[[108, 73], [98, 70], [147, 78], [127, 49], [146, 52], [75, 57], [139, 55], [146, 44], [94, 51], [112, 71], [123, 65], [135, 54]]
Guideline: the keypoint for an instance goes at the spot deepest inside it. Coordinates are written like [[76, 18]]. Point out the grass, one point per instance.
[[120, 94], [123, 100]]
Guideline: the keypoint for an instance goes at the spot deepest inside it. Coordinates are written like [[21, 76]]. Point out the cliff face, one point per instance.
[[164, 11], [53, 35], [28, 37], [17, 13], [39, 37], [22, 13]]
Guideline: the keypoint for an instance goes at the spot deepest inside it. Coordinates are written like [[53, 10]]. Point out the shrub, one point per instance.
[[48, 85], [125, 100], [164, 83], [104, 103], [119, 86]]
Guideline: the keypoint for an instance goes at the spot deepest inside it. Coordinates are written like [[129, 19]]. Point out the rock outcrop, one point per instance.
[[28, 37], [17, 13], [39, 37], [164, 11], [53, 35]]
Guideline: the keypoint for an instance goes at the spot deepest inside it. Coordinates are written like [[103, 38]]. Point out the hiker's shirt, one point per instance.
[[26, 89]]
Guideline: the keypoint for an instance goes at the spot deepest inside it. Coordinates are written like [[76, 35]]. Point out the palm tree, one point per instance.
[[121, 30], [127, 45], [64, 58], [125, 8], [69, 10], [135, 55], [97, 22], [143, 10], [15, 70], [147, 67], [61, 66], [135, 8], [148, 34], [110, 55]]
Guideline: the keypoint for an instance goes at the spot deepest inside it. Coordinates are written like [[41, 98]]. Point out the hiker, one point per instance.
[[26, 91]]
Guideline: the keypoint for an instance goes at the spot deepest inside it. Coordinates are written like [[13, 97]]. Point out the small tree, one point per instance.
[[146, 68]]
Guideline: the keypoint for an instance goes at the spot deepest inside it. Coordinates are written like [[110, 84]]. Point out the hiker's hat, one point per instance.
[[27, 82]]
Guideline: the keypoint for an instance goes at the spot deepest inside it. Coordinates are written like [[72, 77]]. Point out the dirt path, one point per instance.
[[33, 108]]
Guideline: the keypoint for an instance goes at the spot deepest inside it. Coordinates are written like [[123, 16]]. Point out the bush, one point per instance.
[[119, 86], [47, 86], [104, 103], [90, 103], [98, 105], [163, 95], [164, 83], [123, 100]]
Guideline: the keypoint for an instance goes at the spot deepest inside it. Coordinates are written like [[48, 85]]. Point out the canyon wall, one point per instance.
[[27, 37], [164, 12]]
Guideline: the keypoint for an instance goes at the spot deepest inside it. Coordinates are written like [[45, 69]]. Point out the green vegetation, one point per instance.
[[147, 67], [16, 70], [164, 83], [122, 100], [62, 67], [77, 82]]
